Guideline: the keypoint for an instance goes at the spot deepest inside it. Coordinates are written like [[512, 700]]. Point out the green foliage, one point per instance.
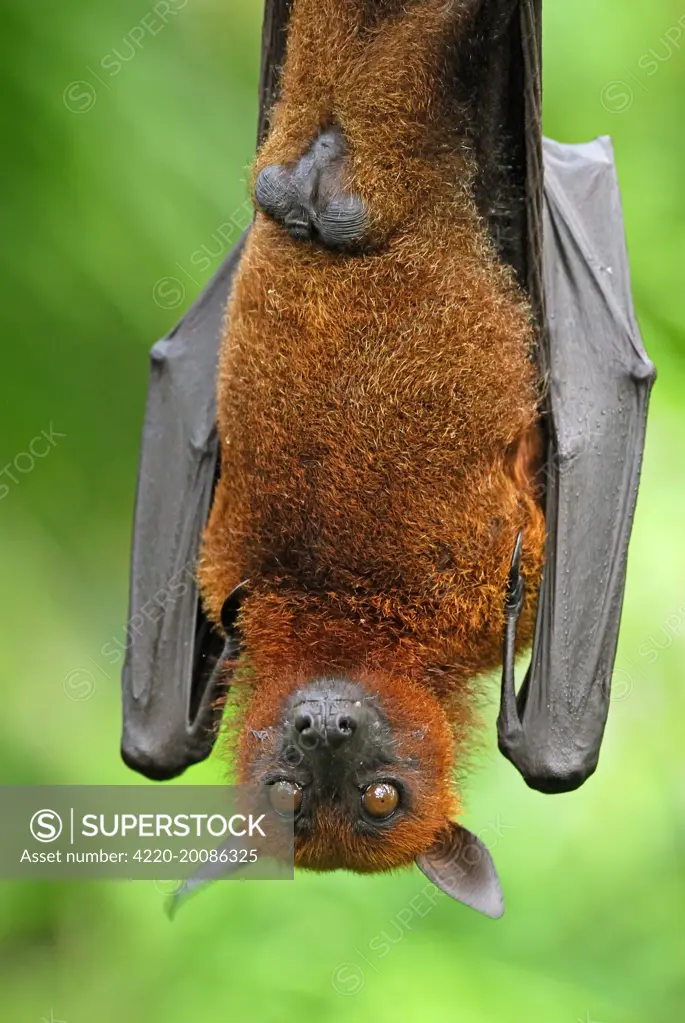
[[130, 177]]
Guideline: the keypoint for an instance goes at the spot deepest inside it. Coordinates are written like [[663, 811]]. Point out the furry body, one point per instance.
[[377, 412]]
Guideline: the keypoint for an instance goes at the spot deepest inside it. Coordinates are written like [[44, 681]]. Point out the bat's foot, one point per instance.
[[309, 199]]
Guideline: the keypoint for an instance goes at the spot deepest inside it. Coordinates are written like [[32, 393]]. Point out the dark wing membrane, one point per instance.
[[274, 38], [505, 92], [599, 379], [168, 677]]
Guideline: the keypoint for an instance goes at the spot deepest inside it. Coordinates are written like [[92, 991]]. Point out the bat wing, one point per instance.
[[507, 111], [598, 382], [168, 680]]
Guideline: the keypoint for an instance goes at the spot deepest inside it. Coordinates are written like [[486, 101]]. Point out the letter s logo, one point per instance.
[[46, 826]]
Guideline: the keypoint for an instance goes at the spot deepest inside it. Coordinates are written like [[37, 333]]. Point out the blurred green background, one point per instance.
[[125, 157]]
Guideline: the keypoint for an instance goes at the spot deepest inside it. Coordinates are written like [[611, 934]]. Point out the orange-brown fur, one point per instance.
[[377, 413]]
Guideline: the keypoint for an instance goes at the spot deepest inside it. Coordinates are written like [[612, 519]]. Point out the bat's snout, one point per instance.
[[330, 724], [329, 716]]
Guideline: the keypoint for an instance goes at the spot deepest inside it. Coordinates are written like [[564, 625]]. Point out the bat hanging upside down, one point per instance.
[[378, 418], [387, 442]]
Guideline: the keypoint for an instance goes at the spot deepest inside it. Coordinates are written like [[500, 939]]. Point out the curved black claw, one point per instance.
[[509, 720], [515, 589]]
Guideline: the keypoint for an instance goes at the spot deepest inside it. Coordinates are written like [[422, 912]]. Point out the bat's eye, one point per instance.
[[380, 799], [286, 797]]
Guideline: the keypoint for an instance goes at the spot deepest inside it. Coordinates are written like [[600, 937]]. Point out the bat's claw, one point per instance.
[[515, 588], [509, 723]]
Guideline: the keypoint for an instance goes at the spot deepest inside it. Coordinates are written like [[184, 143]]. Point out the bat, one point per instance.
[[351, 613]]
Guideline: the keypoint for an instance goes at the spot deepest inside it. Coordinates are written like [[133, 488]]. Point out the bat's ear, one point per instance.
[[461, 866]]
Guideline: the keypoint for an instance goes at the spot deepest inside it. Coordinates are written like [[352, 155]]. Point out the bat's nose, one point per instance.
[[329, 715], [331, 723]]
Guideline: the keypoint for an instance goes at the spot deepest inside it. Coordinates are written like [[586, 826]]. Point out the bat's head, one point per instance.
[[365, 768]]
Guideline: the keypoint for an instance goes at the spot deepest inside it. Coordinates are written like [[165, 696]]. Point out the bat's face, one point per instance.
[[368, 789], [365, 769]]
